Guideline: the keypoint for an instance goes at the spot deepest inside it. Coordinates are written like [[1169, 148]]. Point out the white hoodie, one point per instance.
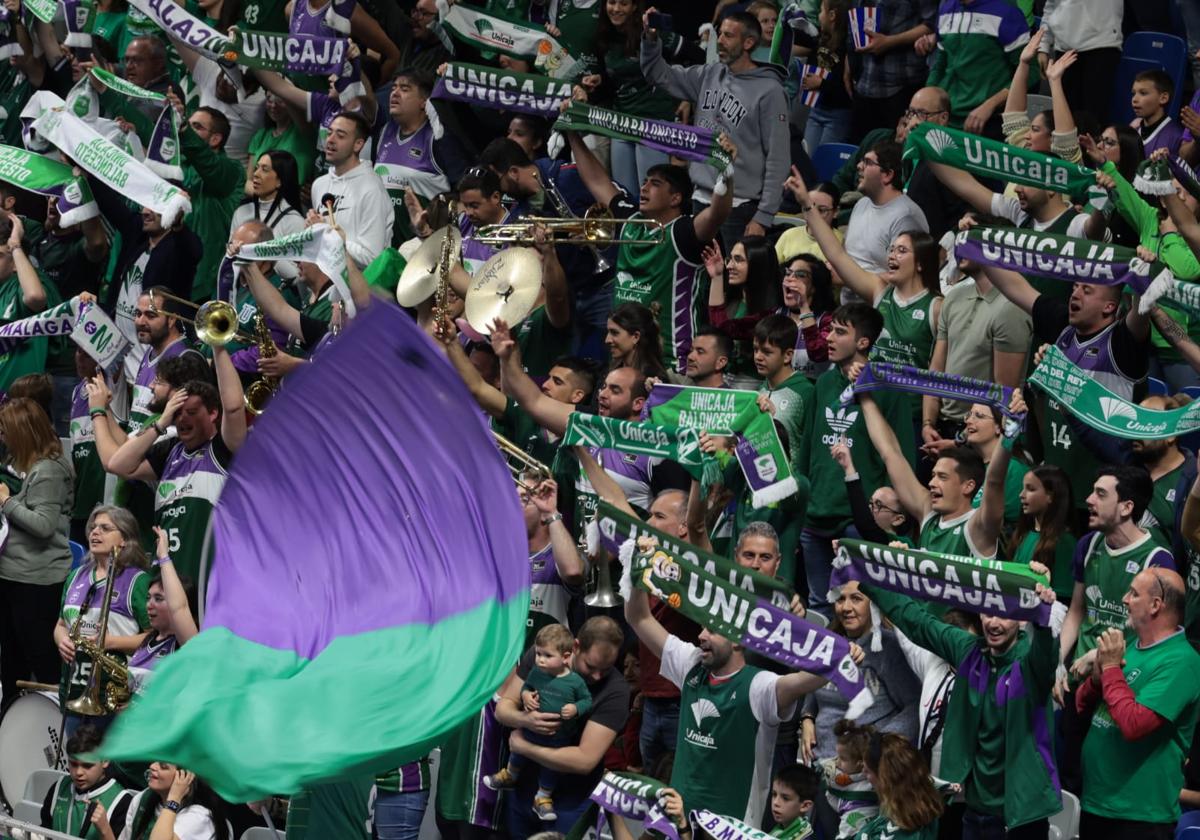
[[362, 209]]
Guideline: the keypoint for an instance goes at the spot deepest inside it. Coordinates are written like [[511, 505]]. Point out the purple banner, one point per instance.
[[885, 376]]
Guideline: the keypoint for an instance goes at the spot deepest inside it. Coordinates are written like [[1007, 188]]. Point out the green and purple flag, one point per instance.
[[365, 598]]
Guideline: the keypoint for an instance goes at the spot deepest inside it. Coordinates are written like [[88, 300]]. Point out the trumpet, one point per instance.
[[597, 229], [527, 471], [215, 321], [93, 702], [564, 210]]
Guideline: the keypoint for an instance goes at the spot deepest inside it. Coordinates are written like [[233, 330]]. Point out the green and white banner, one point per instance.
[[124, 87], [1079, 393], [679, 444], [112, 166], [50, 178], [319, 244], [512, 37], [87, 325]]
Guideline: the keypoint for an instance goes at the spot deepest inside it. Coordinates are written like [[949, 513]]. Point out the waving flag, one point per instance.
[[370, 582]]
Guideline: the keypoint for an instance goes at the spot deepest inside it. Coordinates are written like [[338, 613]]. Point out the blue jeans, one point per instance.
[[660, 727], [398, 815], [521, 821], [547, 778], [630, 162], [832, 126], [818, 566]]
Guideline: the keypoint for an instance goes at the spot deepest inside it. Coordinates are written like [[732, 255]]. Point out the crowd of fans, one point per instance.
[[768, 277]]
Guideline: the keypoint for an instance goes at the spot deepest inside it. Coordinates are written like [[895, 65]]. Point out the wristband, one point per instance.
[[158, 561], [173, 806], [804, 315], [552, 518], [161, 431], [98, 412]]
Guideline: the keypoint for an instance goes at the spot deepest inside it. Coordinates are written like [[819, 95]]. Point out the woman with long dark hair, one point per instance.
[[114, 549], [633, 340], [744, 286], [171, 611], [275, 195], [282, 132], [909, 804], [1043, 533], [614, 79], [176, 805], [35, 557]]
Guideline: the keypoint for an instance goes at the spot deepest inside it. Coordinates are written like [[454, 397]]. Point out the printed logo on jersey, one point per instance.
[[1115, 407], [918, 315], [1132, 568], [702, 710]]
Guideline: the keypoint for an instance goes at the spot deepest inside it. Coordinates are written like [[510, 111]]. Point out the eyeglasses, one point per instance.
[[1108, 142], [869, 162], [875, 506], [798, 273], [825, 210], [104, 529], [921, 113]]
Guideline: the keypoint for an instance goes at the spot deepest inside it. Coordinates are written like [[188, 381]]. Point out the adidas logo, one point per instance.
[[1115, 407], [842, 420], [703, 709]]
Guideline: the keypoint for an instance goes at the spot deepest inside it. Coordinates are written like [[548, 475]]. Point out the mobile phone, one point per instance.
[[659, 20]]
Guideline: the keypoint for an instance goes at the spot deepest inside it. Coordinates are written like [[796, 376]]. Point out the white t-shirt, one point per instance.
[[680, 657], [873, 227], [191, 823]]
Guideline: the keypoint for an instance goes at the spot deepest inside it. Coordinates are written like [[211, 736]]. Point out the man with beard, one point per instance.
[[729, 714], [1106, 561], [158, 327], [709, 357], [191, 469]]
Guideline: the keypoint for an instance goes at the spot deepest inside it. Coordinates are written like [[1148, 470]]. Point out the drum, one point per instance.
[[29, 740]]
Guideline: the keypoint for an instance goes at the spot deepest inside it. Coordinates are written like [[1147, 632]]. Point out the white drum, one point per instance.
[[29, 737]]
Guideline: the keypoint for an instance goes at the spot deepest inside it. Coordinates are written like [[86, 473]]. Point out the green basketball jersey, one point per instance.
[[340, 809], [908, 334], [1106, 574], [1159, 518], [661, 274], [1064, 449], [469, 753], [949, 536], [68, 810]]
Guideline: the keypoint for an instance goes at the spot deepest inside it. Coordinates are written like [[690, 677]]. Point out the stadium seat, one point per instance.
[[1120, 110], [260, 832], [1066, 821], [1167, 51], [77, 552], [1156, 387], [1188, 826], [829, 158], [29, 809]]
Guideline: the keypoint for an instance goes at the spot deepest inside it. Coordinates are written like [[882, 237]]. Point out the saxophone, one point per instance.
[[93, 702], [261, 390]]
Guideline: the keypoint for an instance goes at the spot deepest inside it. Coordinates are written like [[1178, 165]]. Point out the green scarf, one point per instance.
[[635, 798], [727, 828], [797, 829], [485, 31], [993, 159], [725, 411], [1079, 393], [674, 443], [48, 177]]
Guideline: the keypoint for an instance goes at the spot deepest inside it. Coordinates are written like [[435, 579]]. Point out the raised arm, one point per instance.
[[637, 613], [1017, 100], [791, 687], [489, 398], [863, 283], [964, 185], [709, 220], [595, 177], [913, 496], [604, 485], [547, 412], [183, 624], [984, 527], [697, 518], [33, 294], [1183, 220], [285, 90], [1013, 286], [233, 400], [563, 545], [554, 282], [367, 31], [270, 301]]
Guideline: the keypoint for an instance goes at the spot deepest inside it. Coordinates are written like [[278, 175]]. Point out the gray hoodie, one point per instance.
[[750, 107]]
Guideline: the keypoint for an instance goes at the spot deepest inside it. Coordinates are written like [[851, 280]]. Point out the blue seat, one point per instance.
[[1192, 391], [1167, 51], [1120, 109], [77, 553], [1188, 825], [830, 157], [1157, 387]]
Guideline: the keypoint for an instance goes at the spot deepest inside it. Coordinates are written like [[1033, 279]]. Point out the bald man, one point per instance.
[[942, 207], [1146, 698]]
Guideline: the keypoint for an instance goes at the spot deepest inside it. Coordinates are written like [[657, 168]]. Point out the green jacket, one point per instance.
[[1009, 693], [214, 181]]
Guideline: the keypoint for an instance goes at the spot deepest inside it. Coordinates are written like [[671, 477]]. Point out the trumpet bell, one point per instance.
[[216, 323], [86, 705], [527, 472]]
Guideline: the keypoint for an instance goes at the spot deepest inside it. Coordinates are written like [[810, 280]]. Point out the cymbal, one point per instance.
[[419, 278], [506, 286]]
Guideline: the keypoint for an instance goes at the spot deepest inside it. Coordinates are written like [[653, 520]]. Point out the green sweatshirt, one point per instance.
[[554, 692], [978, 47], [996, 742], [1171, 248], [793, 401]]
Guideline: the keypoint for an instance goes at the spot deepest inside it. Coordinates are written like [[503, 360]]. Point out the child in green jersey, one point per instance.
[[793, 795], [553, 686], [86, 803], [847, 787]]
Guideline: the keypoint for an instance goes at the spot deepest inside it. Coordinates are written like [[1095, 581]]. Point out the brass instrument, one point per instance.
[[599, 585], [215, 322], [596, 229], [116, 692], [527, 471], [441, 293], [261, 390], [564, 210]]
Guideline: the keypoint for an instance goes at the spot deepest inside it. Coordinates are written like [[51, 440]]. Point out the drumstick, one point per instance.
[[27, 685]]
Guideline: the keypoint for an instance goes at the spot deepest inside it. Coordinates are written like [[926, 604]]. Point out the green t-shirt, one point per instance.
[[1106, 574], [881, 828], [29, 355], [556, 692], [296, 139], [949, 536], [15, 91], [793, 401], [111, 27], [1159, 518], [214, 181], [829, 508], [542, 343], [340, 809], [908, 334], [1140, 780]]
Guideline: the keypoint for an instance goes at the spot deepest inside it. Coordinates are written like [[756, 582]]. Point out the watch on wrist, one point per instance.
[[552, 518], [173, 806]]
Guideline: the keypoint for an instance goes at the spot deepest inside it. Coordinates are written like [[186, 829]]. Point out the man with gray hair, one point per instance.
[[757, 548]]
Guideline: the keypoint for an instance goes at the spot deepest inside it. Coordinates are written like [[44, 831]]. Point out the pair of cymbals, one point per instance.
[[419, 279]]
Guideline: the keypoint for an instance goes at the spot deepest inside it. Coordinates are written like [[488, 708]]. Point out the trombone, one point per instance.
[[215, 322], [527, 472], [597, 229]]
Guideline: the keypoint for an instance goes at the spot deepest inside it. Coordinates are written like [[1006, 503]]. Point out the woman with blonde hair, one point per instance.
[[35, 556], [114, 548], [909, 805]]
